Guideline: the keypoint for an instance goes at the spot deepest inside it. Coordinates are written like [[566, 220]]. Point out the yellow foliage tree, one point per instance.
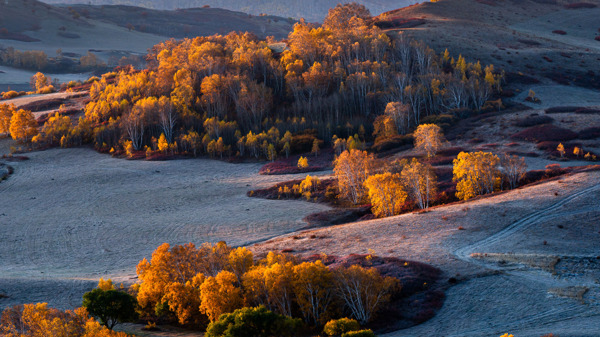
[[219, 295], [386, 194], [420, 182], [384, 128], [105, 284], [23, 125], [313, 287], [352, 168], [476, 173], [163, 145], [240, 261], [302, 163], [6, 112], [429, 139], [363, 291], [561, 149]]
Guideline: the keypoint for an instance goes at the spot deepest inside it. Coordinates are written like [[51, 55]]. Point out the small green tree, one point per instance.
[[253, 322], [110, 306]]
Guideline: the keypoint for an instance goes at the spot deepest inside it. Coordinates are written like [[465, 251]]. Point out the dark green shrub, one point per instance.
[[337, 327], [110, 306], [360, 333], [253, 322]]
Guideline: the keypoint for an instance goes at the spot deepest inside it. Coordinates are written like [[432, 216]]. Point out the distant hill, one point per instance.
[[190, 22], [311, 10], [553, 39]]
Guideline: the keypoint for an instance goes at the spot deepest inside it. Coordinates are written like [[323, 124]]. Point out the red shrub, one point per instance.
[[559, 32], [545, 132], [533, 120], [597, 38], [547, 59], [579, 5]]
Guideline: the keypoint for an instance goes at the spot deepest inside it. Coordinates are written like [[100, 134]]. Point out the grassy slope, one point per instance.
[[514, 35]]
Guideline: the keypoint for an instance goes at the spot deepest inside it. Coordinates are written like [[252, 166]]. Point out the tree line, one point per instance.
[[235, 91]]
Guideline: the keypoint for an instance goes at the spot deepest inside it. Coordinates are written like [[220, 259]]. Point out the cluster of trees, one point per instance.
[[194, 285], [235, 92], [40, 61], [33, 320], [388, 186], [20, 124], [479, 173]]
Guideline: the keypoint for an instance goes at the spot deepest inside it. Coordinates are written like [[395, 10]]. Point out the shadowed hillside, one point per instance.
[[311, 10], [552, 39]]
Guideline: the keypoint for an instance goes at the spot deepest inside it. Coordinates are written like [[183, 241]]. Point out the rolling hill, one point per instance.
[[311, 10], [544, 39]]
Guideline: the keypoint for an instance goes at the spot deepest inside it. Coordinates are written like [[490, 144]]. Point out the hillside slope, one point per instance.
[[540, 37], [311, 10]]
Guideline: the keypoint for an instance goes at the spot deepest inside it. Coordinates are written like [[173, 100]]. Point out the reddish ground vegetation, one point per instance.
[[6, 35], [523, 154], [290, 165], [547, 59], [580, 5], [326, 191], [590, 133], [440, 160], [398, 23], [512, 77], [597, 38], [421, 295], [533, 120], [559, 32], [337, 217], [512, 144], [450, 151], [545, 132], [561, 109], [395, 144]]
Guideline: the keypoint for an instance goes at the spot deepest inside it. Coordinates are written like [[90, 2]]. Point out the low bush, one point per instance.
[[340, 326], [257, 322], [10, 94], [533, 120], [590, 133], [444, 121], [361, 333], [562, 109], [559, 32], [392, 143], [580, 5], [545, 132]]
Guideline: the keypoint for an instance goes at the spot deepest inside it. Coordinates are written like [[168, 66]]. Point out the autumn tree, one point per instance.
[[54, 129], [363, 291], [513, 169], [39, 81], [384, 128], [399, 114], [313, 288], [420, 182], [23, 125], [302, 162], [219, 295], [476, 173], [429, 139], [352, 168], [561, 149], [386, 194], [6, 112]]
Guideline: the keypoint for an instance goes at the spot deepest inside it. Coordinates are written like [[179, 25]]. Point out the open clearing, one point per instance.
[[69, 217]]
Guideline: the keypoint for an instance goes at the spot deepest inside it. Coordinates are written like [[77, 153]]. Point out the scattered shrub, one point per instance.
[[545, 132], [253, 322], [580, 5], [395, 142], [533, 120], [590, 133], [10, 94], [340, 326], [361, 333], [559, 32]]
